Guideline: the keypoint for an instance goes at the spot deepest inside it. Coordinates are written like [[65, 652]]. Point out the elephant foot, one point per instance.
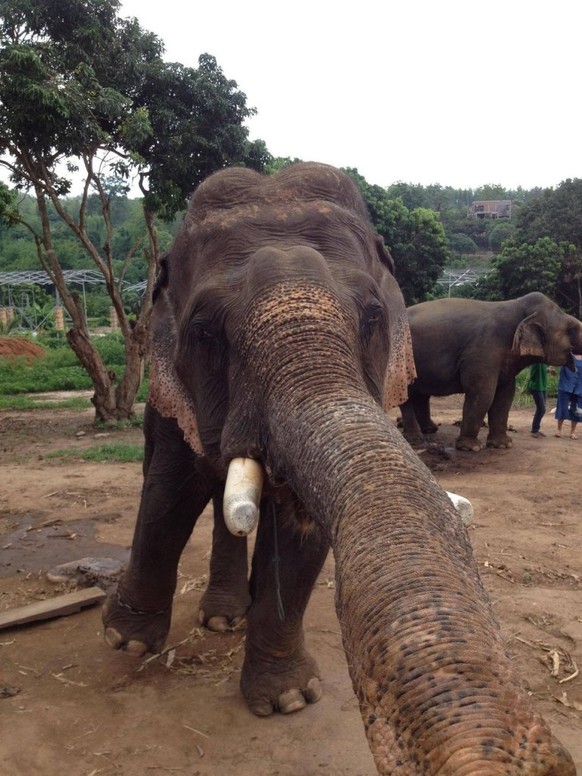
[[415, 439], [501, 441], [468, 444], [222, 610], [131, 630], [280, 685], [429, 428]]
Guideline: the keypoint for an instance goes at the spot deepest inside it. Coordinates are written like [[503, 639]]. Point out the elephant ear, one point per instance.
[[400, 369], [167, 394], [384, 255], [529, 338]]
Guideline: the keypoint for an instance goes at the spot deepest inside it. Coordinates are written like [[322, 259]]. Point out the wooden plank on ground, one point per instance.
[[69, 603]]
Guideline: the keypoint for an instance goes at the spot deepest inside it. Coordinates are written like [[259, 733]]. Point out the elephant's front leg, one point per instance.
[[476, 404], [499, 414], [227, 596], [176, 489], [278, 672]]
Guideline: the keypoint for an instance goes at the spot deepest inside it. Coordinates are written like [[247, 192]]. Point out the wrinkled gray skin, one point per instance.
[[280, 333], [478, 348]]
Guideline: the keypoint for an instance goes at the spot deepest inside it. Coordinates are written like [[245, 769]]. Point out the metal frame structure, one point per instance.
[[38, 277]]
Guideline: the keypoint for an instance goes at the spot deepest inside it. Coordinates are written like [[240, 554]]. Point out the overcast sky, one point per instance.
[[453, 92]]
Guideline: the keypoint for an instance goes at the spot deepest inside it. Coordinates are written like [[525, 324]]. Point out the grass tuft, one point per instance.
[[116, 452]]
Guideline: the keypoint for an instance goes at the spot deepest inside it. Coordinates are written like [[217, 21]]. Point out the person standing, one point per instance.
[[538, 387], [569, 404]]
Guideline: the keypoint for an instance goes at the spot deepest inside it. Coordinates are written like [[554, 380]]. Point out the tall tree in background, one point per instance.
[[416, 239], [85, 95], [556, 213], [554, 268]]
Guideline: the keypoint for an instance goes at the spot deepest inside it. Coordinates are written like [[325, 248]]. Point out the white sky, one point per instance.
[[456, 92]]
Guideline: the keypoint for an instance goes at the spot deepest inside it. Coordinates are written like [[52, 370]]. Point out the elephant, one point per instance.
[[279, 339], [477, 348]]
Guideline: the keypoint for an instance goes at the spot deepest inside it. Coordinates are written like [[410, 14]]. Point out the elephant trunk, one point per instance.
[[435, 686], [436, 689]]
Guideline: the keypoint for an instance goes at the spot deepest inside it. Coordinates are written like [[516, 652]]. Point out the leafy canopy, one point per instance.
[[85, 95], [79, 84], [415, 237]]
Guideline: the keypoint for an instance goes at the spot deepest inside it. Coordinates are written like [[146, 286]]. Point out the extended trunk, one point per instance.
[[436, 689], [435, 686]]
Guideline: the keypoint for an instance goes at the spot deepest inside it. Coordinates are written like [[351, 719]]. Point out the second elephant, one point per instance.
[[477, 348]]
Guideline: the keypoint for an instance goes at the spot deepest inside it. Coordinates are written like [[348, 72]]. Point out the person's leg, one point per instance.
[[539, 398], [572, 406], [561, 410]]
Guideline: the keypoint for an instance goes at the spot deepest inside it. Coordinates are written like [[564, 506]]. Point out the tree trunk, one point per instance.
[[135, 359], [103, 381]]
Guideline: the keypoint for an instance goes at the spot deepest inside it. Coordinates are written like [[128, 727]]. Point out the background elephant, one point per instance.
[[279, 334], [478, 348]]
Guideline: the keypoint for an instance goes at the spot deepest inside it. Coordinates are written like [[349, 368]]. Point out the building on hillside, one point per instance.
[[490, 208]]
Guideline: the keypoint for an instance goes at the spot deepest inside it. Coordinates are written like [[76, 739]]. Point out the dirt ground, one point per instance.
[[69, 705]]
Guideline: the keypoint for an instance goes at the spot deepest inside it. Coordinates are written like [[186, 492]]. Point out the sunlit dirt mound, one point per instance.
[[11, 347]]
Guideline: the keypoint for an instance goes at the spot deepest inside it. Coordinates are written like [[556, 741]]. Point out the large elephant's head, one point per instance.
[[546, 331], [291, 338]]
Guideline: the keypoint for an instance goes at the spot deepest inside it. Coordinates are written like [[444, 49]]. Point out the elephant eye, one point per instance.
[[372, 318], [200, 329]]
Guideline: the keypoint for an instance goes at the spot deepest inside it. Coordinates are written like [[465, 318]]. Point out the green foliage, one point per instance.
[[569, 286], [490, 191], [23, 403], [486, 288], [420, 253], [257, 156], [502, 231], [116, 452], [521, 268], [59, 369], [136, 421], [462, 243], [86, 93], [555, 214], [415, 238]]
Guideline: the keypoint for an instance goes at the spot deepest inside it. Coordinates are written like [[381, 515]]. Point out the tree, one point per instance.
[[569, 285], [491, 191], [85, 94], [500, 232], [462, 243], [416, 239], [524, 267], [555, 214]]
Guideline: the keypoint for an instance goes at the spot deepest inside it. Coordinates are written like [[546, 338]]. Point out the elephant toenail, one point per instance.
[[113, 638], [313, 691], [262, 709], [136, 648], [218, 624], [291, 701]]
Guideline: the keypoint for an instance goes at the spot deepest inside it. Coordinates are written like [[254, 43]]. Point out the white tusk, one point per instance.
[[242, 495], [463, 507]]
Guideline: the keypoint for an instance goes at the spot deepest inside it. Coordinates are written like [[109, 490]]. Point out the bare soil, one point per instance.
[[69, 705], [12, 347]]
